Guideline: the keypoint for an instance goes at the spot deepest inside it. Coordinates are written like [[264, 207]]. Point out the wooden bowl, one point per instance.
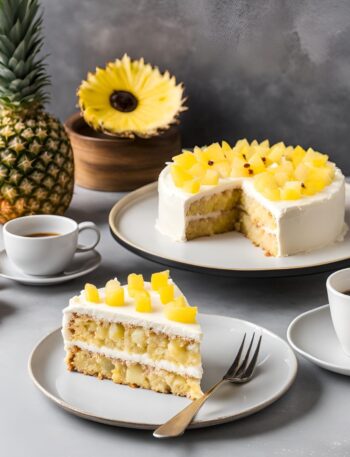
[[107, 163]]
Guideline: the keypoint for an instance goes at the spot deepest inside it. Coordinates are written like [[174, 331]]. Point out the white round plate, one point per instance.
[[313, 336], [228, 254], [106, 402], [82, 264]]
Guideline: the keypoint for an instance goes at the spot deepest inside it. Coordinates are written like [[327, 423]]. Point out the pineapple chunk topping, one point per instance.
[[91, 293], [114, 293], [135, 283], [159, 279], [184, 314], [175, 308], [166, 293], [143, 301], [288, 173]]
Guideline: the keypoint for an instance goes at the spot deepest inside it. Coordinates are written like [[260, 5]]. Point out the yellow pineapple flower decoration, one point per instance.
[[129, 98]]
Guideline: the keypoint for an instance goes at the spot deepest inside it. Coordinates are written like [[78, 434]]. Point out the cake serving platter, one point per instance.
[[118, 405], [132, 224]]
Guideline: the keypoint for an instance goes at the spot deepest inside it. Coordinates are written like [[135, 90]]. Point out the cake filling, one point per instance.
[[132, 374], [133, 339]]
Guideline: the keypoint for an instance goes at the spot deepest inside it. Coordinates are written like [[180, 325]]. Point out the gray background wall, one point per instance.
[[274, 69]]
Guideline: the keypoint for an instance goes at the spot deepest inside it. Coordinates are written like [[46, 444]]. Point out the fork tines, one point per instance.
[[244, 370]]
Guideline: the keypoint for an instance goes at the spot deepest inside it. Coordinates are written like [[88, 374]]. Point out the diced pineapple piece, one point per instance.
[[159, 279], [298, 155], [264, 180], [138, 337], [281, 177], [288, 152], [311, 188], [302, 172], [240, 144], [211, 178], [240, 168], [116, 331], [135, 375], [321, 176], [215, 152], [276, 152], [314, 158], [223, 168], [286, 165], [114, 293], [201, 155], [135, 283], [101, 333], [91, 293], [192, 187], [265, 144], [184, 314], [198, 170], [179, 175], [166, 293], [272, 194], [291, 190], [180, 301], [185, 160], [225, 147], [256, 163], [143, 301]]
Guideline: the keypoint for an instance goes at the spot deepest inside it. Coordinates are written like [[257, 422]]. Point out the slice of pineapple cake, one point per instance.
[[143, 334]]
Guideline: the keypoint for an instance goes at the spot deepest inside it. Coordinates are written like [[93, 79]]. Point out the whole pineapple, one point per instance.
[[36, 160]]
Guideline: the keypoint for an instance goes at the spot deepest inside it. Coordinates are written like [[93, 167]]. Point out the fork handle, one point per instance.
[[178, 424]]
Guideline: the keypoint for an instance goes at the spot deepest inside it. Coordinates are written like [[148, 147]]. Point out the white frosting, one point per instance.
[[302, 225], [184, 370], [128, 315]]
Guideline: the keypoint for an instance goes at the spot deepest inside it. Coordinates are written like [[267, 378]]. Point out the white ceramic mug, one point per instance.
[[45, 255], [337, 283]]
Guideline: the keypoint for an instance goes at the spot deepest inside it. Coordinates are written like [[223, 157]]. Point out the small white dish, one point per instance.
[[109, 403], [82, 264], [312, 335]]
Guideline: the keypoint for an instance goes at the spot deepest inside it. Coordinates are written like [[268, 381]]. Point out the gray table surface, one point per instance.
[[312, 419]]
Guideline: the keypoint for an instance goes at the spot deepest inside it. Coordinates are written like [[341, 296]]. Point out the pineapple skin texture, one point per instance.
[[36, 165]]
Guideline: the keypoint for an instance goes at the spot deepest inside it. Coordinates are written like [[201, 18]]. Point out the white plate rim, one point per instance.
[[321, 363], [151, 426], [38, 281], [118, 208]]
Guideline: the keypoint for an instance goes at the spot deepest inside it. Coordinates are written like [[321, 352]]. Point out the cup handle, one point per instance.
[[88, 226]]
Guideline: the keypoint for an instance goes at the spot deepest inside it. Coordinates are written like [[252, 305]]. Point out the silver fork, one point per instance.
[[238, 373]]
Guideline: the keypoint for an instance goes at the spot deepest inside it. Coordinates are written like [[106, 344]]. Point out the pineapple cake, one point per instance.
[[143, 334], [285, 199], [129, 98], [36, 160]]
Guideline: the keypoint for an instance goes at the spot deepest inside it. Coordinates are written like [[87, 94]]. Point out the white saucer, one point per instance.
[[82, 263], [313, 336], [106, 402]]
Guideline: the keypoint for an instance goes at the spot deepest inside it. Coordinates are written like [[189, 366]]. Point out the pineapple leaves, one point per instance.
[[23, 75]]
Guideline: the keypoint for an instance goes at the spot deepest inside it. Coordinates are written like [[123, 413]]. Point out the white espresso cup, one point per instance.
[[337, 284], [46, 254]]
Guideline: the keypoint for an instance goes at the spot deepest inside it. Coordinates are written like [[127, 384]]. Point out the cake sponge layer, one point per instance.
[[260, 237], [132, 339], [221, 201], [211, 225], [258, 214], [132, 374]]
